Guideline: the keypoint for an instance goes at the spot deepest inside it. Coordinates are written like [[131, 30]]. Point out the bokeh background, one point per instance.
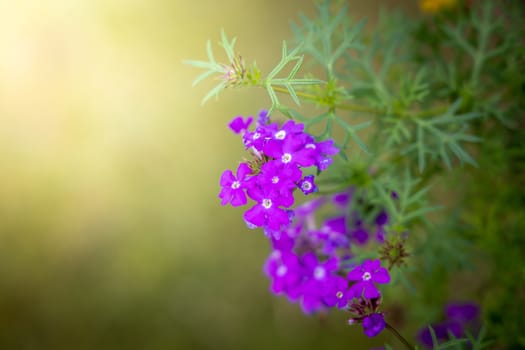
[[111, 232]]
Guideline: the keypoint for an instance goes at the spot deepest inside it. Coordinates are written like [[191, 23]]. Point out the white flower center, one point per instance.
[[319, 273], [280, 135], [310, 146], [236, 185], [366, 276], [276, 254], [306, 186], [286, 158], [256, 136], [281, 270], [275, 179], [266, 203], [339, 295]]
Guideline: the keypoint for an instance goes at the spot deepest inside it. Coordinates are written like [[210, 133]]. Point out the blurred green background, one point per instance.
[[111, 232]]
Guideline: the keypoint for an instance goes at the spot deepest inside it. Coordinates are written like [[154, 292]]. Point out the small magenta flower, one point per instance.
[[307, 185], [365, 276], [319, 273], [285, 239], [381, 220], [461, 316], [279, 180], [366, 312], [289, 151], [289, 129], [342, 199], [266, 212], [333, 235], [359, 235], [285, 271], [263, 117], [318, 280], [442, 331], [462, 312], [373, 324], [260, 136], [233, 187], [338, 293], [240, 125], [322, 152]]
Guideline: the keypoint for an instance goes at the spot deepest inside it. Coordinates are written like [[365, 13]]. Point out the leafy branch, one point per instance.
[[328, 37], [236, 74], [440, 137], [289, 83], [405, 201]]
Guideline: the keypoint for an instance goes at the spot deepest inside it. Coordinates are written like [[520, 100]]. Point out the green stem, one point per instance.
[[363, 109], [348, 107], [399, 336]]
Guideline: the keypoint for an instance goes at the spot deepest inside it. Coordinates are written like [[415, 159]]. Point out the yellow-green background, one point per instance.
[[111, 233]]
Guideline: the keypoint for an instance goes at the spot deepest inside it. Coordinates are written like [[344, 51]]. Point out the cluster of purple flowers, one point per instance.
[[280, 153], [460, 316], [309, 264], [312, 265]]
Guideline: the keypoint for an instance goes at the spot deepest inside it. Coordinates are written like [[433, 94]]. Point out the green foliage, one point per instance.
[[236, 74], [468, 342], [404, 200], [440, 137], [212, 67], [329, 37], [290, 82]]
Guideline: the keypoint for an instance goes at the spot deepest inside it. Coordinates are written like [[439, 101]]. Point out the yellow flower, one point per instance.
[[434, 6]]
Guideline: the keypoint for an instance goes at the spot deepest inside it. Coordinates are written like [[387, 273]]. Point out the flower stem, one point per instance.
[[399, 336], [346, 106], [364, 109]]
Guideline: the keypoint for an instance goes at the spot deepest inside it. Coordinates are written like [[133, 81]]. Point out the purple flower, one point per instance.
[[380, 234], [284, 240], [290, 151], [373, 324], [442, 331], [382, 218], [290, 129], [462, 312], [238, 125], [307, 185], [319, 276], [459, 315], [365, 275], [266, 212], [319, 272], [280, 180], [322, 152], [333, 235], [233, 187], [258, 138], [342, 199], [337, 293], [336, 224], [285, 271], [263, 118], [359, 235]]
